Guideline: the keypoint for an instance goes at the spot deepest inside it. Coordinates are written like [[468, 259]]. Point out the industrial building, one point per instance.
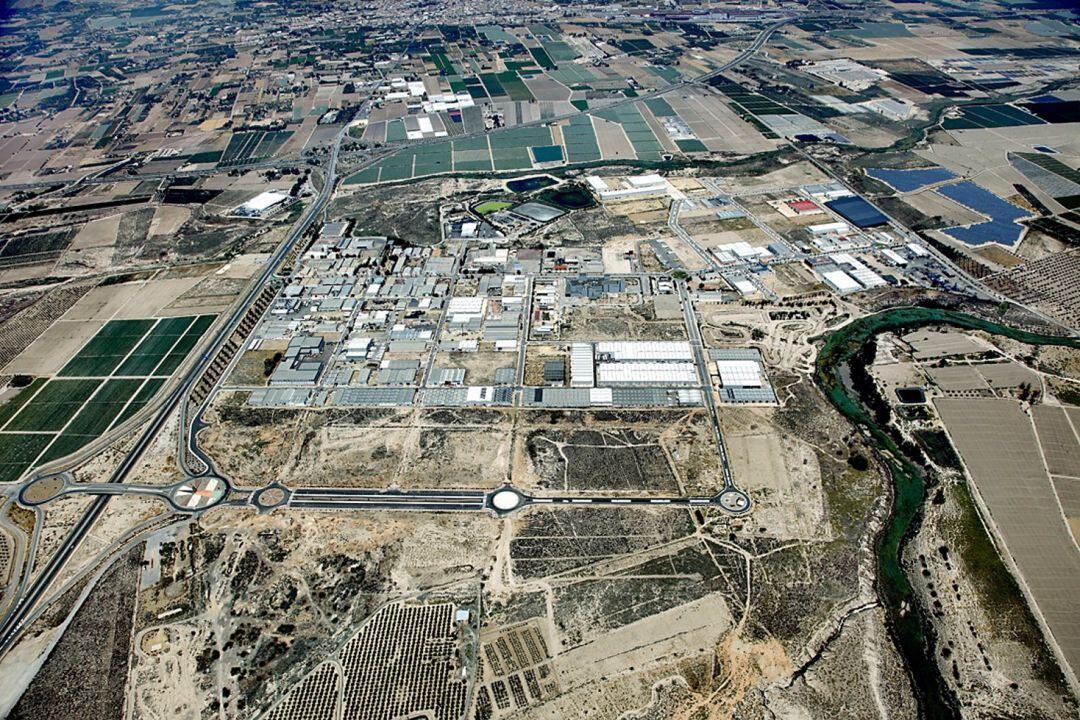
[[742, 376], [629, 188], [633, 351], [261, 204], [581, 365], [646, 373], [857, 211]]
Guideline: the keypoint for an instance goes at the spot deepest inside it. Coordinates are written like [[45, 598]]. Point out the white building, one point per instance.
[[840, 281], [894, 257], [638, 186], [838, 228], [630, 351], [581, 365], [647, 373], [739, 373], [258, 205]]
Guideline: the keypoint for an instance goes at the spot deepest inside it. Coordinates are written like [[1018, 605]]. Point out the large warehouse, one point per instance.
[[647, 373], [632, 364], [857, 211], [659, 351]]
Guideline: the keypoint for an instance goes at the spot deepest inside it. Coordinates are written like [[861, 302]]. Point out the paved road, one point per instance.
[[12, 624], [15, 620], [352, 499], [462, 500], [677, 231], [112, 177], [702, 363]]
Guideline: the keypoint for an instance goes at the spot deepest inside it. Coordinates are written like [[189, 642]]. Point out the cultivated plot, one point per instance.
[[1000, 449], [115, 374]]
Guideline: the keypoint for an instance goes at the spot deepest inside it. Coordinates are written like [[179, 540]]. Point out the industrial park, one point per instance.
[[426, 360]]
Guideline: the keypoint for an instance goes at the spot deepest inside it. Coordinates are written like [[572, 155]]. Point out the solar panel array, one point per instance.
[[1001, 228], [909, 180]]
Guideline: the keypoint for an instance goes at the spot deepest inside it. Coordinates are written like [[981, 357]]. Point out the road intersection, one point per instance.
[[204, 489]]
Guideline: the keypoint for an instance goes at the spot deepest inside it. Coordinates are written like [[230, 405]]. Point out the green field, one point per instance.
[[55, 417], [433, 159], [97, 415], [53, 406], [443, 63], [560, 52], [976, 117], [692, 145], [491, 206], [171, 362], [637, 130], [660, 107], [542, 58], [514, 87], [62, 446], [145, 394], [9, 408], [18, 452], [492, 84], [107, 349], [580, 140], [547, 153], [249, 147], [669, 74], [154, 346], [395, 131], [149, 343], [571, 75]]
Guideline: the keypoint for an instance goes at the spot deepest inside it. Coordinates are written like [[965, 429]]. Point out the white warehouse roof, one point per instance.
[[622, 351], [647, 373], [466, 305], [581, 365], [841, 281], [739, 373], [833, 227], [264, 201]]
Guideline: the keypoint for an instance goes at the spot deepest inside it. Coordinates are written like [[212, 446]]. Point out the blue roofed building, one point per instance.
[[857, 211]]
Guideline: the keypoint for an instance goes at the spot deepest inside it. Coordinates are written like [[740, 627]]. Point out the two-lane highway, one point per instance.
[[12, 624]]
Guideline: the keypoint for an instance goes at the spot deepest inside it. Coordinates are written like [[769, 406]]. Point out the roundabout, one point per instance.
[[505, 500], [270, 497], [734, 501], [198, 493]]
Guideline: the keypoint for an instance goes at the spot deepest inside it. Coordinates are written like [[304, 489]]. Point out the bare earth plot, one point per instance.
[[717, 126], [999, 447], [1056, 427], [47, 354]]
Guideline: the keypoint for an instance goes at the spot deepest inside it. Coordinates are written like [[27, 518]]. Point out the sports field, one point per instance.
[[114, 375]]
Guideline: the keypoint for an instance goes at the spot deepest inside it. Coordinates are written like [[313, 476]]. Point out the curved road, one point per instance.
[[13, 623], [15, 620]]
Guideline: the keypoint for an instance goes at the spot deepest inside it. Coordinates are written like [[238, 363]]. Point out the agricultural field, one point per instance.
[[625, 132], [116, 373], [251, 147], [1007, 459], [570, 361]]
